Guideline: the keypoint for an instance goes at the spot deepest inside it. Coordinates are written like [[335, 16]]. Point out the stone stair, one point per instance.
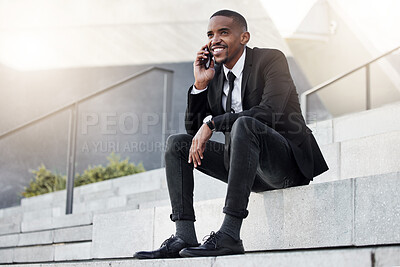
[[348, 257], [349, 216]]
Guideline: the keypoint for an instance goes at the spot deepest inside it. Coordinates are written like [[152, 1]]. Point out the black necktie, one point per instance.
[[228, 109], [231, 80]]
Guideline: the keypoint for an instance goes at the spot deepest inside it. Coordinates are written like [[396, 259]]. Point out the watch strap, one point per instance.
[[210, 125]]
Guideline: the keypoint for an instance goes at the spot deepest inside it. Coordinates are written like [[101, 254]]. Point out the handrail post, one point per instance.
[[164, 117], [73, 125], [367, 87]]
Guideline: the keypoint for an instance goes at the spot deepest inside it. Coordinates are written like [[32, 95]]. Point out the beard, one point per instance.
[[223, 60]]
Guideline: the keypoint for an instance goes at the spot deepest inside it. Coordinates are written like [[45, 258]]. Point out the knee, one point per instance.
[[176, 143], [243, 126]]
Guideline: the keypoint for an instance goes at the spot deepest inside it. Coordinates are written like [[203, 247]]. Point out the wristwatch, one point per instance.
[[208, 120]]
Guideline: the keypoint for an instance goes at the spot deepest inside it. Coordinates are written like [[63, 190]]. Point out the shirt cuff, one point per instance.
[[195, 91]]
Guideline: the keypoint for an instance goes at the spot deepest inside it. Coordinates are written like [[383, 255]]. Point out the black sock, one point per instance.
[[185, 230], [231, 226]]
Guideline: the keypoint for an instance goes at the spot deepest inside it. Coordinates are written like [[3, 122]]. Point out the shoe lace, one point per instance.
[[212, 238], [166, 241]]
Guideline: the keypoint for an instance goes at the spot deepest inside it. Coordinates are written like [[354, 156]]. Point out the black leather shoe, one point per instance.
[[169, 249], [217, 244]]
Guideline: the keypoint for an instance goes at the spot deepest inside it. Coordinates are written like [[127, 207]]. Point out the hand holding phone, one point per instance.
[[203, 68], [207, 62]]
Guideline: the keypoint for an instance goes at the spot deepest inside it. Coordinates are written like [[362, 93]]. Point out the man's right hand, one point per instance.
[[202, 75]]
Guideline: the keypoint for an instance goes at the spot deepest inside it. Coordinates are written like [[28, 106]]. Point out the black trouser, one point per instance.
[[260, 160]]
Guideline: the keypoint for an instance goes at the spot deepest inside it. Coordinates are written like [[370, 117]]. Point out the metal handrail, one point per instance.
[[133, 76], [73, 125], [303, 97]]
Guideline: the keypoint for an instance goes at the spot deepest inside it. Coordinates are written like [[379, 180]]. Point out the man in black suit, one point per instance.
[[249, 95]]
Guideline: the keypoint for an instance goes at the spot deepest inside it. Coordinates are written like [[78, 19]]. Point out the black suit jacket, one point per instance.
[[269, 95]]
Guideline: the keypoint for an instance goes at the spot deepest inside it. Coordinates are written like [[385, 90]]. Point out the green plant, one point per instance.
[[45, 181], [115, 168]]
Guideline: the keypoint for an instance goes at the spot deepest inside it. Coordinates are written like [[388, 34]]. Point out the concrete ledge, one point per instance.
[[348, 257], [122, 233], [320, 215], [72, 234], [342, 257], [367, 123], [98, 194], [37, 224], [371, 155], [110, 189], [140, 182], [10, 224], [68, 252], [322, 131], [323, 212], [154, 204], [9, 240], [36, 238], [357, 125], [341, 213], [72, 220], [32, 215], [6, 255], [11, 211], [377, 210], [56, 222], [94, 188], [150, 196], [34, 254], [331, 154], [37, 202]]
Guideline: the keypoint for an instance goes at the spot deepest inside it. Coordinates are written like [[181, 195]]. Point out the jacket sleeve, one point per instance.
[[275, 94], [197, 109]]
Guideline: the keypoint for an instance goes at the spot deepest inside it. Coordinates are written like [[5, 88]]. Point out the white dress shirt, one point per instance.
[[236, 93]]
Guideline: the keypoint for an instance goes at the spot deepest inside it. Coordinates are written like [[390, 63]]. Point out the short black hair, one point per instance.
[[237, 18]]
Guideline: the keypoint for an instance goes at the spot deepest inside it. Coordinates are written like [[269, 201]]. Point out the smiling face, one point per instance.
[[227, 40]]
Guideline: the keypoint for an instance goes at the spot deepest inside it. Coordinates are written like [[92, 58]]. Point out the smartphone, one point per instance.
[[207, 62]]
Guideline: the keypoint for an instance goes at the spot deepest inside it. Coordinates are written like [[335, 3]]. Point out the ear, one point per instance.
[[244, 38]]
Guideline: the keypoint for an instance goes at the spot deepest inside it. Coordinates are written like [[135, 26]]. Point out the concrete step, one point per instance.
[[63, 235], [71, 220], [137, 183], [352, 212], [49, 217], [47, 253], [358, 125], [10, 212], [344, 257], [125, 192], [10, 224], [371, 155]]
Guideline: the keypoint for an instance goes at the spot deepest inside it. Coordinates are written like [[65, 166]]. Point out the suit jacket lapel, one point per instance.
[[247, 70]]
